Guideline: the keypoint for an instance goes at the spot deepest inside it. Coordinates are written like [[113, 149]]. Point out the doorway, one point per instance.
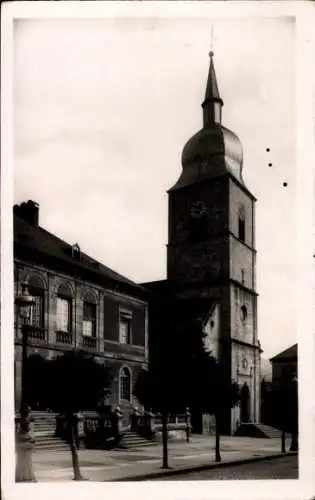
[[245, 401]]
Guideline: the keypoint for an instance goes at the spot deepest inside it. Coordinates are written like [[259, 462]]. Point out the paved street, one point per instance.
[[101, 465], [278, 468]]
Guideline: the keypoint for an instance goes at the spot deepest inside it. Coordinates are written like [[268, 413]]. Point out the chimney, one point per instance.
[[29, 211]]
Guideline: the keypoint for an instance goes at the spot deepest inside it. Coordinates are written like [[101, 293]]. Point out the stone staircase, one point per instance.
[[131, 439], [258, 431], [44, 432]]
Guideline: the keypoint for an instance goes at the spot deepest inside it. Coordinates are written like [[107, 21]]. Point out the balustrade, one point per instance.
[[64, 337], [38, 333], [89, 343], [100, 431]]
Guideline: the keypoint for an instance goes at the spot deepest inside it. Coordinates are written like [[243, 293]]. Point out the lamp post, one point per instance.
[[24, 466]]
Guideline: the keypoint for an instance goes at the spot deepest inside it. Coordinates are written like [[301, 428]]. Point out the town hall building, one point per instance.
[[211, 254], [79, 304]]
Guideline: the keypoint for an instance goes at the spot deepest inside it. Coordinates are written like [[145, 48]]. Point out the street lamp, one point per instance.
[[24, 466]]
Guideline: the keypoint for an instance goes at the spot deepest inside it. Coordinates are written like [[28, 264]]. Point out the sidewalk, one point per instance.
[[111, 465]]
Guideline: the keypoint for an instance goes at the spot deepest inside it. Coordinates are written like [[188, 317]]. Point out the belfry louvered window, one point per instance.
[[241, 223]]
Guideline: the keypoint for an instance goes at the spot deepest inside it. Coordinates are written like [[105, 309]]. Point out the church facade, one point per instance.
[[211, 254]]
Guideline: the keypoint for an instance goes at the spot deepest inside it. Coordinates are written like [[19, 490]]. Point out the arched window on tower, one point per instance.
[[124, 384], [241, 223], [244, 313]]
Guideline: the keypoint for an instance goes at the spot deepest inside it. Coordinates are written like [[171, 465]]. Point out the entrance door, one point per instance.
[[36, 382], [245, 400]]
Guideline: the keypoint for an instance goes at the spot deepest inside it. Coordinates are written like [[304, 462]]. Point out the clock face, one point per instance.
[[197, 209]]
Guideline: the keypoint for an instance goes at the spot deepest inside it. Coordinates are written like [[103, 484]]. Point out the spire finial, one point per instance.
[[213, 103], [211, 53]]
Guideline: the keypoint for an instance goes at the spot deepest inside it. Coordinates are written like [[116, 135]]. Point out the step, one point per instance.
[[41, 436], [53, 447], [43, 413], [38, 434], [44, 426], [43, 419], [50, 443], [136, 445], [44, 431], [258, 430], [134, 440]]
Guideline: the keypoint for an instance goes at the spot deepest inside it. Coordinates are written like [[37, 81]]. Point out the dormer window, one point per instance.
[[76, 251], [241, 223]]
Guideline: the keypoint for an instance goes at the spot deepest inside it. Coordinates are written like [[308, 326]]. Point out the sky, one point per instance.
[[102, 111]]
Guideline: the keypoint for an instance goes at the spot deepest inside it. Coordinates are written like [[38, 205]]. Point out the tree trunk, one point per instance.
[[294, 442], [164, 440], [283, 441], [74, 455], [217, 438]]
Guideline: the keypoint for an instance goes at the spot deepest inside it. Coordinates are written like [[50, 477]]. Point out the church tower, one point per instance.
[[211, 249]]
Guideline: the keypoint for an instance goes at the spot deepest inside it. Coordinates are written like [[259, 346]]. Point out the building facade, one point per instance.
[[211, 252], [211, 269], [79, 304], [285, 364]]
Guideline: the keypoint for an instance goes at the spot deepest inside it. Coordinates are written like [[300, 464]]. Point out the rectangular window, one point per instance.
[[63, 314], [37, 317], [125, 328], [89, 319]]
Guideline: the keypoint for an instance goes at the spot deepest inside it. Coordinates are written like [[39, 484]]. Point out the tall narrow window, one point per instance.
[[64, 314], [37, 317], [243, 276], [125, 327], [244, 313], [89, 319], [125, 385], [241, 224]]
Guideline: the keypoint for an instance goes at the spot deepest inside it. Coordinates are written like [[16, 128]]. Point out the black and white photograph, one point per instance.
[[153, 198]]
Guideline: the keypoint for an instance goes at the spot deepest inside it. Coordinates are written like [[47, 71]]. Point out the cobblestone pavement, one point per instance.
[[277, 468]]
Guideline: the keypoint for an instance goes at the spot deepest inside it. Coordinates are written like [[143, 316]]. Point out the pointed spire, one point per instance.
[[212, 90], [213, 103]]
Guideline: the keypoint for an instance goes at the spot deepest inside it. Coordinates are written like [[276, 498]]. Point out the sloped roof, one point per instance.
[[188, 311], [34, 241], [289, 353]]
